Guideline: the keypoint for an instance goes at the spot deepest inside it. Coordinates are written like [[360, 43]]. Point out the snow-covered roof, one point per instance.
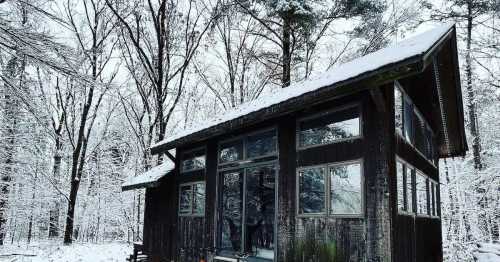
[[416, 46], [150, 177]]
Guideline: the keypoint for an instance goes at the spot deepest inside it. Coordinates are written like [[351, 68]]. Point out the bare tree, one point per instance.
[[96, 47], [161, 40]]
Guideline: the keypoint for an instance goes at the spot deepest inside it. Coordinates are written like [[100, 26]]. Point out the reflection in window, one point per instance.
[[231, 151], [199, 198], [345, 193], [259, 212], [329, 128], [192, 199], [420, 139], [312, 190], [262, 144], [194, 160], [185, 200], [408, 120], [409, 172], [231, 210], [398, 110], [421, 187], [400, 180]]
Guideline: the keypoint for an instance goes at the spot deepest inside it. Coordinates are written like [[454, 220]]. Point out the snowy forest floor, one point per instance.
[[488, 252], [52, 251]]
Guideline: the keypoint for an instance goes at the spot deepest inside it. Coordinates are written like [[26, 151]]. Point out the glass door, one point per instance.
[[247, 212]]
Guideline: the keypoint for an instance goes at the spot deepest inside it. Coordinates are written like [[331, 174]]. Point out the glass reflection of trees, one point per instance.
[[312, 190], [329, 128], [258, 214], [345, 193]]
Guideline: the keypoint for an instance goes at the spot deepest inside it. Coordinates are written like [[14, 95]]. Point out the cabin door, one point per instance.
[[247, 213]]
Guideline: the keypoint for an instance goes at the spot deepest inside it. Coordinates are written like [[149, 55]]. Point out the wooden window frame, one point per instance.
[[335, 110], [243, 139], [183, 153], [406, 98], [191, 213], [328, 188]]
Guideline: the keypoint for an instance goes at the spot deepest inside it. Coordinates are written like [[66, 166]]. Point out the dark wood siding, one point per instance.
[[367, 238]]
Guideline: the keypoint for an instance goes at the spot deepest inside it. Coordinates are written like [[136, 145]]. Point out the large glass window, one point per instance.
[[421, 187], [408, 120], [231, 151], [247, 211], [193, 160], [338, 193], [329, 128], [192, 199], [410, 123], [345, 189], [232, 210], [312, 190], [261, 144]]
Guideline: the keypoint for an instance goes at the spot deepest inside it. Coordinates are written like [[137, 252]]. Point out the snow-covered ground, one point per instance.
[[488, 252], [56, 252]]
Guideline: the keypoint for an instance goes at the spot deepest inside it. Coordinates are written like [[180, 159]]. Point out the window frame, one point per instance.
[[405, 98], [407, 168], [191, 213], [426, 181], [335, 110], [433, 188], [184, 152], [243, 164], [243, 138], [243, 167], [328, 209]]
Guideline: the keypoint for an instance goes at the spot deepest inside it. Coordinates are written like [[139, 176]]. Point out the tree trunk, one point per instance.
[[471, 104], [54, 212], [286, 59]]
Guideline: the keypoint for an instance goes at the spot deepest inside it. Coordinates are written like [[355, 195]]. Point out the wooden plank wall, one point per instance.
[[416, 238], [357, 239]]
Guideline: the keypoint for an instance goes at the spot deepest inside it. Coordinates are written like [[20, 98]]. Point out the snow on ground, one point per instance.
[[56, 252], [488, 252]]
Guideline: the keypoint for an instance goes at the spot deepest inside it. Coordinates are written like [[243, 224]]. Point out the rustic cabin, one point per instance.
[[340, 168]]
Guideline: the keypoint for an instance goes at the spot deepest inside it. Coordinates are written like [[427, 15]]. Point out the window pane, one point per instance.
[[408, 122], [429, 144], [231, 151], [231, 211], [421, 186], [193, 161], [409, 172], [329, 128], [262, 144], [345, 191], [259, 221], [400, 186], [312, 190], [185, 200], [199, 199], [420, 139], [398, 110]]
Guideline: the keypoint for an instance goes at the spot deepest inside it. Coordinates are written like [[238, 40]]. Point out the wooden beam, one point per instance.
[[170, 156], [379, 99]]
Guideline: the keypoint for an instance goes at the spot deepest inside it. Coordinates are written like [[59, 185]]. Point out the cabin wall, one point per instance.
[[169, 237], [416, 238]]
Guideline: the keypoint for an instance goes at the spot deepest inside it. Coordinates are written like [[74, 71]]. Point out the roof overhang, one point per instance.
[[150, 178], [389, 72]]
